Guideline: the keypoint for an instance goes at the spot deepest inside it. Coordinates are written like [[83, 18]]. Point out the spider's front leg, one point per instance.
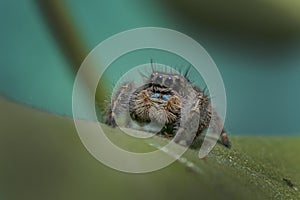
[[119, 103], [189, 123], [210, 117]]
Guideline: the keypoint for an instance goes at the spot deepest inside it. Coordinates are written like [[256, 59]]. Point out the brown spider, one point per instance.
[[169, 100]]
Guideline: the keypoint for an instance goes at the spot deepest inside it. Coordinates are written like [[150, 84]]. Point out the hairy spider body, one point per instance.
[[170, 101]]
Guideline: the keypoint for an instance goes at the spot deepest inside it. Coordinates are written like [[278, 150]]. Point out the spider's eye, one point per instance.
[[155, 95], [168, 81], [165, 97], [159, 79]]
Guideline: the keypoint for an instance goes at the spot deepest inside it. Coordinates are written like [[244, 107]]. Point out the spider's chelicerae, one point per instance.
[[170, 100]]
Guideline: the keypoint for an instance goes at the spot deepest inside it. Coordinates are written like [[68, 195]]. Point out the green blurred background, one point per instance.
[[256, 48], [255, 45]]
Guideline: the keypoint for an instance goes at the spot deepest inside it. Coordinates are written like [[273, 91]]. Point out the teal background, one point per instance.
[[261, 79]]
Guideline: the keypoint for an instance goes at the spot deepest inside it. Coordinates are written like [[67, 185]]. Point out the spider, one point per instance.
[[169, 100]]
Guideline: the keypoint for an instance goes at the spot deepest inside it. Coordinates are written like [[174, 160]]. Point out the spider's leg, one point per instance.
[[210, 117], [224, 139], [217, 125], [190, 117], [119, 103]]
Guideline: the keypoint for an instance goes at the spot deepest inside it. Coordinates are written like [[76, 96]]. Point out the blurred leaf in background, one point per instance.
[[272, 21]]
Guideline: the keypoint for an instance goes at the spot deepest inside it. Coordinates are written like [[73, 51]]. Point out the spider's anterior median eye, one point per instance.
[[155, 95], [165, 97], [159, 79], [168, 81]]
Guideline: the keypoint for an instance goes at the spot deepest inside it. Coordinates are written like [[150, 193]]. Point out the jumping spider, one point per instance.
[[164, 99]]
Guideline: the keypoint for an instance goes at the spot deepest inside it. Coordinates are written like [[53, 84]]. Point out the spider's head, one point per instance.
[[158, 100]]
